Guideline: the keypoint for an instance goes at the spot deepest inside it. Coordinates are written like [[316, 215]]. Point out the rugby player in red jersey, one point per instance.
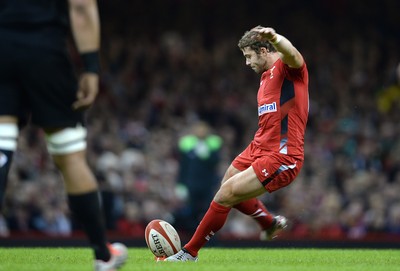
[[275, 156]]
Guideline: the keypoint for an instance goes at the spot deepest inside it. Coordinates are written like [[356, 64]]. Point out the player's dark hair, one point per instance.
[[253, 40]]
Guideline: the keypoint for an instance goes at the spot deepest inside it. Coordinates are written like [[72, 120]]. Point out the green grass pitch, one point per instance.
[[210, 259]]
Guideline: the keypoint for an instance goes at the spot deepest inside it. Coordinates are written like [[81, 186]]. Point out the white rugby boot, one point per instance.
[[119, 255], [182, 256]]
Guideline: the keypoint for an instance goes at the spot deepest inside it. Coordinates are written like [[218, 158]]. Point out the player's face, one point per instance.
[[254, 60]]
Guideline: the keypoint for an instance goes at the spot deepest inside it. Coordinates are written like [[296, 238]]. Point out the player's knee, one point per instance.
[[230, 172], [67, 141], [224, 196]]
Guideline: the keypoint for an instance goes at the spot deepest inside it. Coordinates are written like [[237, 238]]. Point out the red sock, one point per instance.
[[257, 210], [212, 222]]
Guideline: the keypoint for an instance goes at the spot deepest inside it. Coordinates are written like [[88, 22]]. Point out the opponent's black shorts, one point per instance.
[[39, 81]]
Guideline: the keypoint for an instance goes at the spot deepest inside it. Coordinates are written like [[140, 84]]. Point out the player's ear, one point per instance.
[[264, 50]]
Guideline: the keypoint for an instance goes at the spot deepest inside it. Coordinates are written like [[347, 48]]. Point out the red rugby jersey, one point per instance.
[[283, 109]]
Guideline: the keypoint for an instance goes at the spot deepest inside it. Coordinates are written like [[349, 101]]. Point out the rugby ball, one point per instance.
[[161, 238]]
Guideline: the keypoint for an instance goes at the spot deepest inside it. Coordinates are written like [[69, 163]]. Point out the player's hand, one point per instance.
[[266, 33], [87, 92]]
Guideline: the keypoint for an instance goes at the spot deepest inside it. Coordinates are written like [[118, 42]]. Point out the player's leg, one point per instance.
[[51, 86], [252, 207], [9, 97], [8, 145], [9, 130], [10, 103], [267, 173], [276, 171], [242, 186], [67, 148]]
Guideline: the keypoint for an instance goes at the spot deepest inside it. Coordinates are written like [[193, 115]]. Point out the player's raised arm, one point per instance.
[[288, 53]]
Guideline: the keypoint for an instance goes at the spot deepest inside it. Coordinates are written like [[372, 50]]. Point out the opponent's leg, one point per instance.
[[8, 145], [68, 150]]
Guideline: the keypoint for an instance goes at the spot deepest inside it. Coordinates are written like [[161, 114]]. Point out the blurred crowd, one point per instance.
[[169, 64]]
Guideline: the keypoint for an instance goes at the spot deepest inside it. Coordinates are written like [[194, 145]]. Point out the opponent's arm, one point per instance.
[[85, 27], [288, 53]]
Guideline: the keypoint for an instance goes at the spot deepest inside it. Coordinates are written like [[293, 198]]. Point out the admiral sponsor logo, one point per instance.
[[267, 108], [158, 244]]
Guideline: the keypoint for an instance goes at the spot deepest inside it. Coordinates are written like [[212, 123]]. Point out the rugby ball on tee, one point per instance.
[[162, 239]]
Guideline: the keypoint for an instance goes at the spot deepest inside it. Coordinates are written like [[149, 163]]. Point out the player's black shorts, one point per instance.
[[37, 80]]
